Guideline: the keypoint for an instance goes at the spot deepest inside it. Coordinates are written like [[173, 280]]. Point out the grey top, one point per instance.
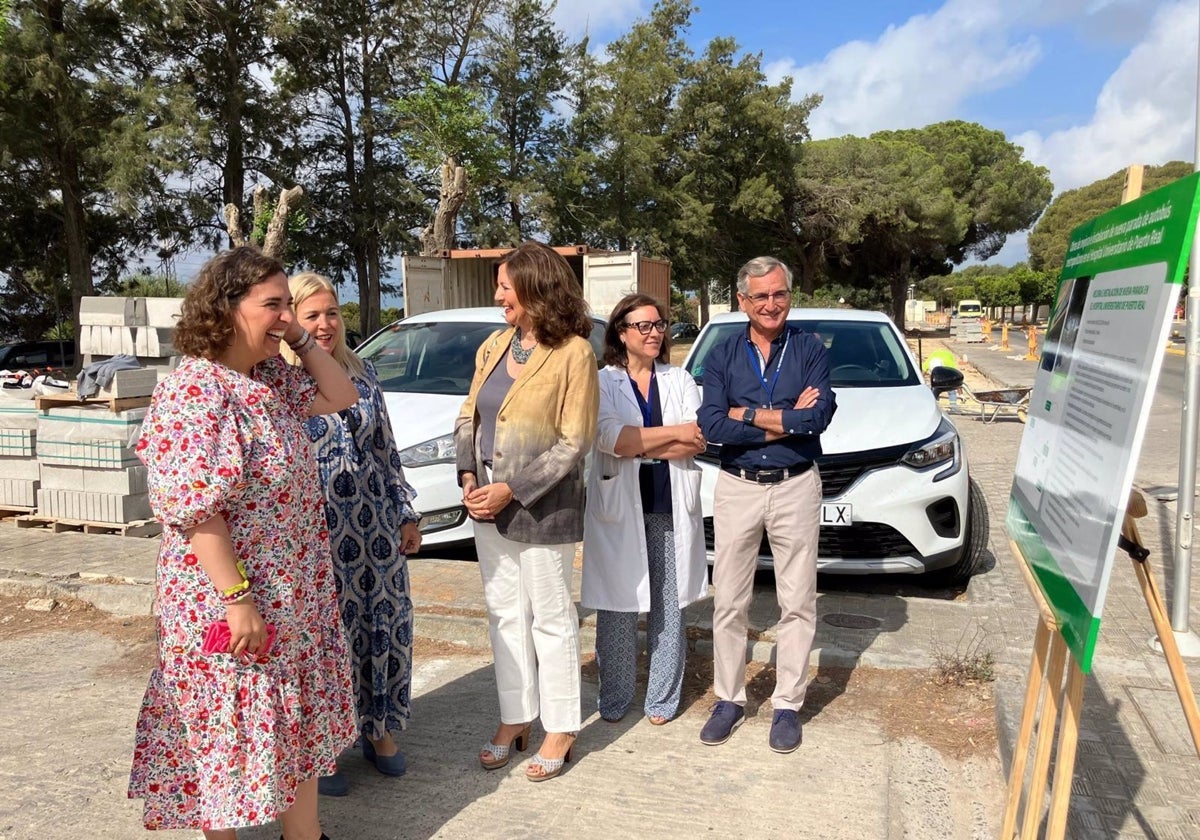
[[491, 395]]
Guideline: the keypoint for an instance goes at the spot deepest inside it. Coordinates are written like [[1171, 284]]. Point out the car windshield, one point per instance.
[[432, 357], [862, 354]]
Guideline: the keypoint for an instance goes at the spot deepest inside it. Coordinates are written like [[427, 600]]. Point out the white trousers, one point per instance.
[[534, 628]]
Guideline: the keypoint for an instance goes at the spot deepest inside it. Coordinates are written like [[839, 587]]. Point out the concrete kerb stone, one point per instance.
[[113, 597]]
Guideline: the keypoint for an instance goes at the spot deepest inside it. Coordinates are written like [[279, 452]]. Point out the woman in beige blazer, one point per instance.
[[521, 437]]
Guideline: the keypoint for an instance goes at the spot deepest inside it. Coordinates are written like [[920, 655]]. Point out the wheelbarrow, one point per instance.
[[1003, 401]]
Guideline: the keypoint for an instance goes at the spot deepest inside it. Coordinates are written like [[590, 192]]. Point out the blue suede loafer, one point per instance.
[[725, 718], [388, 765], [785, 731]]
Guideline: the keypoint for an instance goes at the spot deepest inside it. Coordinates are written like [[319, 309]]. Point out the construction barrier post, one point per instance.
[[1031, 355], [1004, 336]]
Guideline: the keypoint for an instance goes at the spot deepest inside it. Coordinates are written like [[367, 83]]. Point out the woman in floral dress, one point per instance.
[[372, 528], [240, 736]]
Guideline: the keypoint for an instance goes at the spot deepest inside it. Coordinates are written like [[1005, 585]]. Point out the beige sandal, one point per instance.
[[551, 767], [500, 752]]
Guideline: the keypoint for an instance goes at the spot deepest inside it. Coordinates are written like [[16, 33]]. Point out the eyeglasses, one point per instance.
[[644, 327], [775, 297]]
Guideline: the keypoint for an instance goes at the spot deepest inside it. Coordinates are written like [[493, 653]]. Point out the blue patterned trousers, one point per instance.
[[666, 639]]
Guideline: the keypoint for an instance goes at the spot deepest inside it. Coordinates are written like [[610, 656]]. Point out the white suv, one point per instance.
[[897, 496]]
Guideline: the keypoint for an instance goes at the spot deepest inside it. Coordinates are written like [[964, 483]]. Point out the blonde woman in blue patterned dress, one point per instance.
[[372, 530]]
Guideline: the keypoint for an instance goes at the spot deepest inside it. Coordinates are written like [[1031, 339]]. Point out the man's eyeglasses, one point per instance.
[[765, 297], [644, 327]]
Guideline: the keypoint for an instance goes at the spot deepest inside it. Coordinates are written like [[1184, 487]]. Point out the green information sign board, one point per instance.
[[1091, 400]]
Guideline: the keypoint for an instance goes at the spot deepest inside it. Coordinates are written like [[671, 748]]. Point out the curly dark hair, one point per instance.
[[550, 292], [205, 327], [614, 350]]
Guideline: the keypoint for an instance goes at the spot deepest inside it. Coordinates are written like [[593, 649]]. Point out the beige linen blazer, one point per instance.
[[544, 430]]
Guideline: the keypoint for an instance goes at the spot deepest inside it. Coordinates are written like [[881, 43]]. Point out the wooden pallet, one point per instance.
[[9, 511], [68, 400], [140, 528]]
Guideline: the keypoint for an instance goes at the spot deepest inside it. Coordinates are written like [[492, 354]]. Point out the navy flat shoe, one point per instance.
[[388, 765], [335, 785]]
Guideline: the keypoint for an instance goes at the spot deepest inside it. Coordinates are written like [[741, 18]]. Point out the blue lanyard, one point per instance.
[[645, 404], [752, 352]]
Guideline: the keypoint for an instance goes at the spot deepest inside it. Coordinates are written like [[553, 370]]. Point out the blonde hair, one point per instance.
[[305, 285]]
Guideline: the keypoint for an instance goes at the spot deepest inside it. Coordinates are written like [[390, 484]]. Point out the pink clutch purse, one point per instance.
[[216, 639]]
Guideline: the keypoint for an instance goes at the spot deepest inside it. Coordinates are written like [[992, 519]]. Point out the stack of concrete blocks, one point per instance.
[[89, 469], [20, 471], [141, 327]]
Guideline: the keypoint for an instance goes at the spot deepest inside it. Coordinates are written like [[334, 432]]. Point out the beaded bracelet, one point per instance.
[[230, 600]]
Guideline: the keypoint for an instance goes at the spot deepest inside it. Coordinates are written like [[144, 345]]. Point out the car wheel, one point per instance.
[[975, 542]]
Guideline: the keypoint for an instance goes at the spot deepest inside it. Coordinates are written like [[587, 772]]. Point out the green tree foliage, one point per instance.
[[735, 142], [877, 213], [906, 204], [1049, 238], [88, 136], [1004, 192], [626, 162], [343, 63], [220, 53], [521, 73]]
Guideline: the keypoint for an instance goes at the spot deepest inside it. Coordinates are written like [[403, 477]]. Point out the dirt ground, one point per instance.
[[957, 721]]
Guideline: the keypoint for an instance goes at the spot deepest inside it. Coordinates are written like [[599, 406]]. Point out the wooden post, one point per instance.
[[1135, 510], [1133, 183], [1031, 354], [985, 327], [1044, 697], [1004, 336]]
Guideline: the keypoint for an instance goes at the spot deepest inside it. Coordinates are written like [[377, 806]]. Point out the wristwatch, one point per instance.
[[748, 416]]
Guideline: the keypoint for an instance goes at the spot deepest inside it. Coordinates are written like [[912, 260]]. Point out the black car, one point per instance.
[[26, 355], [683, 331]]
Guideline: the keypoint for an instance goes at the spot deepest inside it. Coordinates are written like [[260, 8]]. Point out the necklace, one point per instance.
[[520, 354]]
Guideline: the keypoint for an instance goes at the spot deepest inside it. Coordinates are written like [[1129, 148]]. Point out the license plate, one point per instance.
[[836, 515]]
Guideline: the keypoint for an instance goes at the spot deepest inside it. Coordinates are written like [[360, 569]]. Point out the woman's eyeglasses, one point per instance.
[[644, 327]]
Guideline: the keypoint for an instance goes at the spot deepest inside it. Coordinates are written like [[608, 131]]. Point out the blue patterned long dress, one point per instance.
[[367, 500]]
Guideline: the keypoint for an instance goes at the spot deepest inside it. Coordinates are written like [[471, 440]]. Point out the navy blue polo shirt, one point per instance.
[[733, 377]]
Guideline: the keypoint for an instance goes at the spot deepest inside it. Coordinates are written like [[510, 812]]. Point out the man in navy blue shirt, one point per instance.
[[767, 398]]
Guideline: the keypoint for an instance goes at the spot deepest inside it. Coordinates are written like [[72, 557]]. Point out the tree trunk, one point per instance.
[[898, 283], [703, 303], [79, 257], [439, 235], [275, 240]]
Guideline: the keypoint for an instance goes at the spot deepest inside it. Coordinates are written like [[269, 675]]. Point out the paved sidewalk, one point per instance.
[[1137, 774]]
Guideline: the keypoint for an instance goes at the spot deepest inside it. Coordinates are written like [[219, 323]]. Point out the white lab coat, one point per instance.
[[615, 569]]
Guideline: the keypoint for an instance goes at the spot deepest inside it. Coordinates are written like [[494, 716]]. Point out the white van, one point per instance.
[[970, 309]]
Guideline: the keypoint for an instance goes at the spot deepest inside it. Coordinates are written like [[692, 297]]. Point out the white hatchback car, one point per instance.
[[425, 365], [897, 495]]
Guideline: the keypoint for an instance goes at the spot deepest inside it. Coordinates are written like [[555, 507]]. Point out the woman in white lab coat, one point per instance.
[[643, 540]]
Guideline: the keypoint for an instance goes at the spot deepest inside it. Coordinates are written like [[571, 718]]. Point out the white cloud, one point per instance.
[[1145, 113], [915, 73], [586, 17]]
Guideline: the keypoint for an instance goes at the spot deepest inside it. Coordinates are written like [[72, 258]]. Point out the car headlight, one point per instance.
[[940, 449], [440, 450]]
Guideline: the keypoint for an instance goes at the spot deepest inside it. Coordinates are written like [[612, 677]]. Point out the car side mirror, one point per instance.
[[943, 379]]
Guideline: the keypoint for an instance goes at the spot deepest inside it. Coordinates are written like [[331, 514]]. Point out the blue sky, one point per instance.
[[1086, 87]]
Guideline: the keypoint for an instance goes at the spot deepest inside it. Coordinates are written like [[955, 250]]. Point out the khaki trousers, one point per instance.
[[790, 512]]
